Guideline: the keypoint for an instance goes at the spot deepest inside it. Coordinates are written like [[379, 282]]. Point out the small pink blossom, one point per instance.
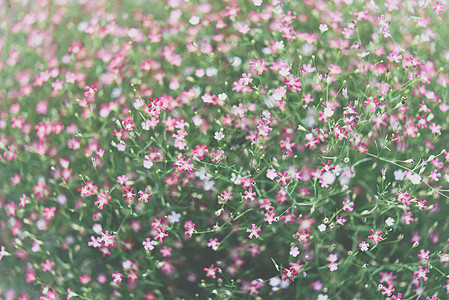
[[211, 271], [253, 231], [117, 277], [422, 273], [375, 236], [438, 7], [2, 252], [148, 244], [364, 246]]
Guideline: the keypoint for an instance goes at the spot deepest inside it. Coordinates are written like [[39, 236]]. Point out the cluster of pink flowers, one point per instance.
[[264, 148]]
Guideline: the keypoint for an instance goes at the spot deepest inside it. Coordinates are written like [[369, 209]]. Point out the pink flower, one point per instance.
[[122, 180], [421, 273], [289, 273], [253, 231], [438, 7], [388, 291], [129, 195], [85, 279], [107, 239], [213, 243], [333, 266], [341, 220], [90, 91], [332, 257], [47, 265], [375, 236], [284, 178], [435, 128], [51, 295], [148, 244], [323, 27], [424, 256], [2, 252], [302, 237], [128, 124], [190, 228], [144, 195], [117, 277], [294, 251], [103, 198], [348, 205], [211, 271], [88, 189], [161, 234], [132, 276], [30, 276], [49, 213], [364, 246], [258, 66], [165, 251], [387, 277], [23, 200], [226, 196]]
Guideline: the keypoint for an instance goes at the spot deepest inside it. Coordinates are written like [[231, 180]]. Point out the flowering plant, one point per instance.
[[224, 149]]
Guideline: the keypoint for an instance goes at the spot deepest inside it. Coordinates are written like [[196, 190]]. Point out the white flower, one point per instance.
[[197, 120], [279, 45], [121, 146], [294, 251], [328, 112], [266, 114], [195, 20], [97, 228], [219, 136], [271, 174], [266, 51], [243, 28], [202, 174], [145, 125], [389, 221], [222, 96], [364, 246], [138, 103], [211, 72], [399, 175], [275, 281], [309, 136], [209, 185], [414, 178], [147, 164], [328, 178], [174, 217], [284, 284], [323, 27], [133, 32], [322, 227], [116, 92], [236, 61], [236, 178], [284, 71]]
